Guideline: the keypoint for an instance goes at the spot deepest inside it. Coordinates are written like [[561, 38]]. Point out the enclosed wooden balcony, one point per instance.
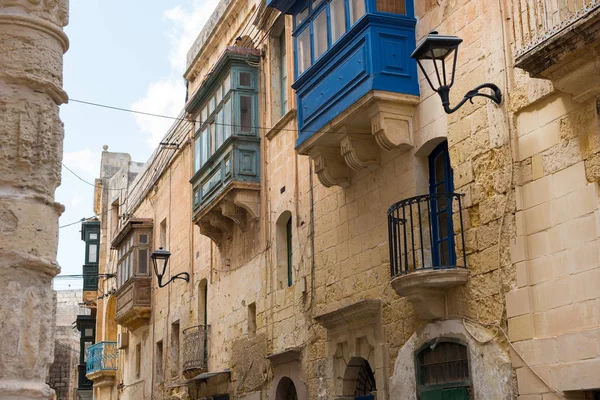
[[101, 363], [134, 302], [356, 84], [427, 257], [560, 40]]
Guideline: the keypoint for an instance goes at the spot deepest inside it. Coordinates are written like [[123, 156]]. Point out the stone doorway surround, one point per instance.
[[355, 331], [287, 364], [490, 366]]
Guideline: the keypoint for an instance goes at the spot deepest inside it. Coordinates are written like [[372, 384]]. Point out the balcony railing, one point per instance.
[[195, 349], [102, 356], [425, 233], [538, 20]]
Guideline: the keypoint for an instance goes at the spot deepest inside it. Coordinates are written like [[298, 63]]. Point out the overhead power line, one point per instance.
[[84, 181]]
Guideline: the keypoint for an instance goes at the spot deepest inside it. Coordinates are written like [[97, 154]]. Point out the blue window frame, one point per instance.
[[441, 182], [319, 24], [230, 109]]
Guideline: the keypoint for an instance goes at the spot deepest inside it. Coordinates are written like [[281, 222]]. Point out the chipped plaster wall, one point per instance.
[[32, 44]]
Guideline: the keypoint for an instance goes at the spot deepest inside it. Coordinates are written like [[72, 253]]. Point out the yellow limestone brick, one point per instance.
[[569, 179], [518, 302], [521, 328]]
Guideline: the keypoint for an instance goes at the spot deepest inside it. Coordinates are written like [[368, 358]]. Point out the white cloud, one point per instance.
[[85, 162], [76, 200], [166, 96]]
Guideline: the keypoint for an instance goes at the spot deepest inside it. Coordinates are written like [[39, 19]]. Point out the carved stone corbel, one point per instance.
[[249, 200], [391, 124], [235, 213], [330, 167], [360, 151], [221, 222], [208, 230]]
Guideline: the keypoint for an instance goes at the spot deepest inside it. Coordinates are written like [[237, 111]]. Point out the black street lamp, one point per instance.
[[437, 48], [160, 259]]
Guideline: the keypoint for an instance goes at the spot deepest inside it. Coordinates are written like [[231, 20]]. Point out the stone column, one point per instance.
[[32, 44]]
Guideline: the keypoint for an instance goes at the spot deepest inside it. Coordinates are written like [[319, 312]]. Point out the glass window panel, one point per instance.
[[211, 105], [338, 19], [85, 346], [197, 154], [130, 262], [283, 71], [219, 128], [301, 16], [443, 225], [246, 114], [89, 332], [204, 115], [143, 239], [444, 254], [142, 261], [440, 168], [226, 85], [391, 6], [227, 119], [320, 34], [204, 138], [245, 79], [212, 138], [357, 10], [219, 95], [303, 42], [315, 4], [93, 253], [93, 236]]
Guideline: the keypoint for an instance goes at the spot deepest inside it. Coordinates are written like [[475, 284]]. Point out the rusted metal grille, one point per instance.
[[195, 348]]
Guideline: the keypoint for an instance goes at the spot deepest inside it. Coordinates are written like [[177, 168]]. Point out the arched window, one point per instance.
[[285, 262], [359, 380], [443, 371], [286, 390], [441, 181]]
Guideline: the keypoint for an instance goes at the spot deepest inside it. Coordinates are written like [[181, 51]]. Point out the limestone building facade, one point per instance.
[[334, 234]]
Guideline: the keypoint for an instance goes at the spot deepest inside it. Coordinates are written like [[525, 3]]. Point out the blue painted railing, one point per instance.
[[102, 356]]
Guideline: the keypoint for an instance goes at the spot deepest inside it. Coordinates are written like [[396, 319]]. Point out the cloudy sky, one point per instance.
[[129, 54]]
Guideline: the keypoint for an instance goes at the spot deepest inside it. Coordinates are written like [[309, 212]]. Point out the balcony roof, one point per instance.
[[90, 225], [230, 54], [282, 5], [132, 223]]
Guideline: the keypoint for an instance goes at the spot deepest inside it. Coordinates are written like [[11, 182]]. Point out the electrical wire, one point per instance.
[[203, 122], [84, 181]]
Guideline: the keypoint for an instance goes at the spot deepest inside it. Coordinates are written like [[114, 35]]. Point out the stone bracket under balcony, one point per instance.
[[354, 140], [237, 205], [426, 289], [568, 55]]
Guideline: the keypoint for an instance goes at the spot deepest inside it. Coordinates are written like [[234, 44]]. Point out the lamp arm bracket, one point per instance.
[[183, 276], [444, 92]]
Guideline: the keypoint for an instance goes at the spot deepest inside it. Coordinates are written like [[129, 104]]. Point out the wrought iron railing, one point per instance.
[[538, 20], [425, 233], [102, 356], [195, 348]]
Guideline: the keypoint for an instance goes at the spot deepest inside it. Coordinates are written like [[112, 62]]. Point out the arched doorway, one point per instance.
[[359, 380], [286, 390], [443, 371]]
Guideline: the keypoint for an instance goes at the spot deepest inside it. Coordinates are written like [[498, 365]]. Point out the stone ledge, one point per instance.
[[426, 289]]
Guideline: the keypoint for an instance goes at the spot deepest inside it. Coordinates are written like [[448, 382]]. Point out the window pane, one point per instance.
[[93, 253], [303, 51], [204, 115], [89, 332], [204, 144], [245, 79], [197, 161], [219, 128], [130, 262], [219, 95], [315, 4], [283, 71], [246, 114], [391, 6], [143, 239], [320, 34], [142, 261], [211, 105], [93, 236], [301, 16], [212, 139], [357, 10], [227, 119], [226, 85], [338, 19]]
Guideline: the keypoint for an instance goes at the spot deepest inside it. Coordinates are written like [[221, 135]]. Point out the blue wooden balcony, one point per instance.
[[353, 74], [101, 361]]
